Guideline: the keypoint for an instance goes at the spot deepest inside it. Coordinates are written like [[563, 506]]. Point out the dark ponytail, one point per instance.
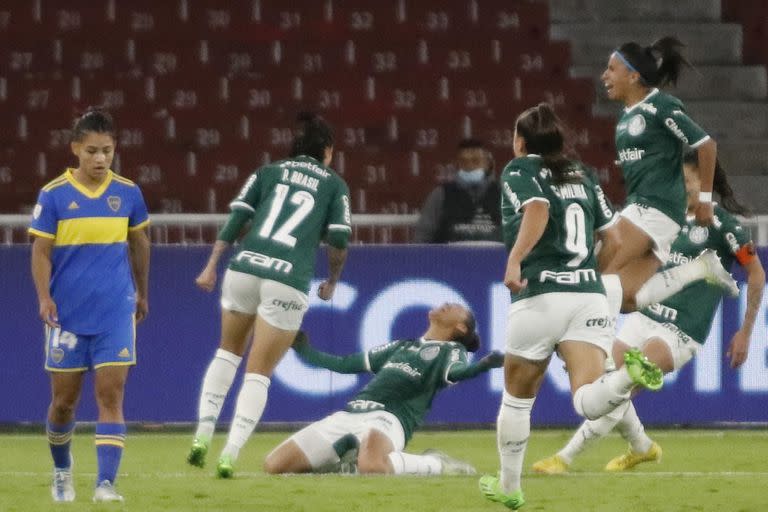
[[659, 64], [720, 185], [96, 120], [313, 137], [544, 135], [470, 339]]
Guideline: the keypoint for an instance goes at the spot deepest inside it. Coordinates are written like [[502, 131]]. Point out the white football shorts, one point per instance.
[[537, 324], [660, 228], [638, 328], [280, 305], [317, 440]]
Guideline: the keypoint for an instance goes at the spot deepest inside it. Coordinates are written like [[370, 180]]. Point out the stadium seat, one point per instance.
[[116, 92], [24, 55], [163, 172]]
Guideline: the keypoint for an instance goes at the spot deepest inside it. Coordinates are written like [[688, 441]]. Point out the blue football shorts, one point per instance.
[[69, 352]]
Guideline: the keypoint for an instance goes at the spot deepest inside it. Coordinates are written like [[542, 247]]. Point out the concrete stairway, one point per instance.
[[727, 98]]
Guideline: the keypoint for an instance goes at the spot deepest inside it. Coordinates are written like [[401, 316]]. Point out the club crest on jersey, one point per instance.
[[57, 355], [698, 234], [114, 203], [429, 353], [636, 125]]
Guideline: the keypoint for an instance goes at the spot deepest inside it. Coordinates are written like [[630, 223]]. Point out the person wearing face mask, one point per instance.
[[467, 208]]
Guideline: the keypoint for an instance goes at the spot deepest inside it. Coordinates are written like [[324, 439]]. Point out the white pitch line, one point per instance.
[[585, 474]]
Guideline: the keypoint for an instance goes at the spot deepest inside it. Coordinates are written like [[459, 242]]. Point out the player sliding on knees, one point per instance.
[[379, 421], [672, 332], [551, 208]]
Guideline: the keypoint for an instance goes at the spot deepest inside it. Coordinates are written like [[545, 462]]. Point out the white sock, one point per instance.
[[250, 405], [604, 395], [663, 285], [513, 428], [590, 432], [631, 428], [216, 383], [410, 464]]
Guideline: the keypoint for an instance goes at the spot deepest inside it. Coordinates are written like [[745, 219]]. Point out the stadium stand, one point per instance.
[[204, 91]]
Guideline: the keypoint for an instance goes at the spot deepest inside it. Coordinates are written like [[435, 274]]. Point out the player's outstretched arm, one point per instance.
[[353, 363], [739, 347], [463, 371]]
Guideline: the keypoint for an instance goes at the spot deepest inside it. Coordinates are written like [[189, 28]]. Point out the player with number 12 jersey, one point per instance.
[[286, 209], [293, 204]]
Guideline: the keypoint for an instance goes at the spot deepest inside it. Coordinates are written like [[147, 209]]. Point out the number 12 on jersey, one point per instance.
[[304, 202]]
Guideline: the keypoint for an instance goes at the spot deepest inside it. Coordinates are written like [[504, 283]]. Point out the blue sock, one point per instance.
[[110, 439], [60, 439]]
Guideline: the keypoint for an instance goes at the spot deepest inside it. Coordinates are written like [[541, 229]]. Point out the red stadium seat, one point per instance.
[[163, 173], [116, 93], [23, 170], [86, 54], [187, 91], [25, 55]]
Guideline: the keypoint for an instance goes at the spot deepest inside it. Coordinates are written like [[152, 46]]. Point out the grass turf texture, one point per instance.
[[701, 471]]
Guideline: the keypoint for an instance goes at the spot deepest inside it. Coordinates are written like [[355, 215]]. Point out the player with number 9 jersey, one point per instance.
[[564, 259], [550, 209], [284, 210]]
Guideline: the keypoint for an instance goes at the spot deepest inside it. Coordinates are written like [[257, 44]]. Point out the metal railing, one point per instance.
[[200, 228]]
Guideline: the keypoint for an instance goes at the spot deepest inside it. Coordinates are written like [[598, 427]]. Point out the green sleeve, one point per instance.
[[339, 227], [353, 363], [231, 229], [460, 369]]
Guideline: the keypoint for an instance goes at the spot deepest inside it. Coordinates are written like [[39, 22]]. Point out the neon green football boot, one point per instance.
[[491, 489], [225, 467], [198, 451], [643, 372]]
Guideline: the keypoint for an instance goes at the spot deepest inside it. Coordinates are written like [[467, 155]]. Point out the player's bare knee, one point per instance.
[[110, 400], [368, 465], [62, 409], [274, 465]]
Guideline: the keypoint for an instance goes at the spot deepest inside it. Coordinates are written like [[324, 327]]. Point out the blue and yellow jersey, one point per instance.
[[91, 279]]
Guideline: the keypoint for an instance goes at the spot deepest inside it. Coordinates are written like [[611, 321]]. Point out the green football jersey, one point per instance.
[[693, 309], [649, 144], [294, 204], [408, 375], [564, 258]]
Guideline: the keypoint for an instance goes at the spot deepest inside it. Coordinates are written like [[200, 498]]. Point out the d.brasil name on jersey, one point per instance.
[[294, 204]]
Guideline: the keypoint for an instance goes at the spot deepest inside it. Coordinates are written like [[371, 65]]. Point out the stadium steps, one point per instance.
[[577, 11], [725, 96], [706, 43]]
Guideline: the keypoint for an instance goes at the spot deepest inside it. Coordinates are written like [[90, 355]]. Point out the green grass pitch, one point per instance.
[[701, 471]]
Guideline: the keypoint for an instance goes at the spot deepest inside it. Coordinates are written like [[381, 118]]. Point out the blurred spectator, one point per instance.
[[466, 208]]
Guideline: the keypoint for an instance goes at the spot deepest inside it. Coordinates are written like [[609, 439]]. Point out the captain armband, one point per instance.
[[746, 254]]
